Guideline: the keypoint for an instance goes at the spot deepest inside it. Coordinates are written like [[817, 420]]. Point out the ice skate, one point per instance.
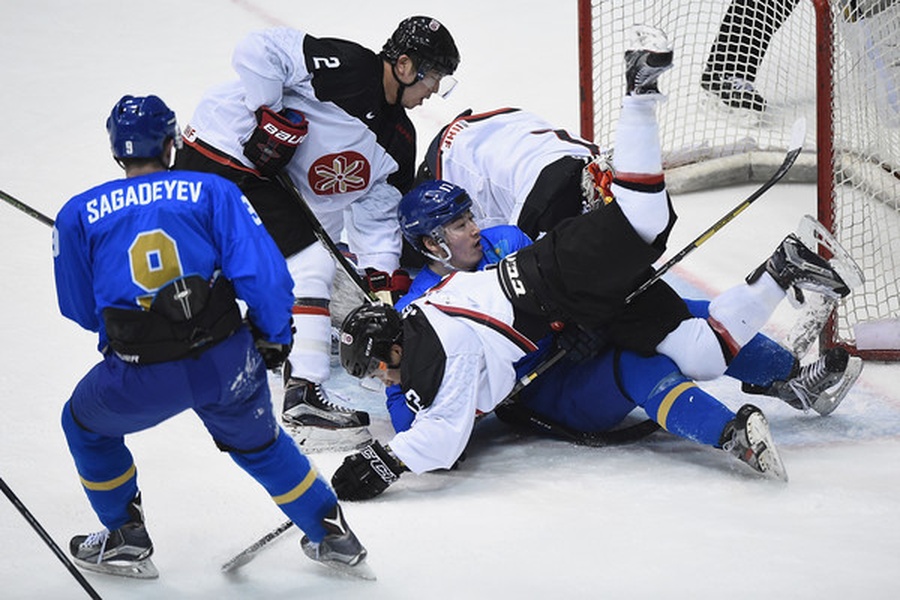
[[316, 423], [649, 55], [793, 265], [733, 91], [340, 549], [820, 385], [124, 552], [748, 438]]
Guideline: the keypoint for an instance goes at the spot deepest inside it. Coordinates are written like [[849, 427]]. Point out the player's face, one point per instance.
[[463, 237], [388, 374], [425, 86]]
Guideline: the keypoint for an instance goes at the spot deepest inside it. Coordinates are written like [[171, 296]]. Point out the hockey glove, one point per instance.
[[367, 473], [388, 288], [273, 354], [581, 344], [275, 139]]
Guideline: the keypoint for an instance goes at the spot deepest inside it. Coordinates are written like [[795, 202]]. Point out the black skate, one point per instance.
[[316, 423], [820, 385], [793, 265], [733, 91], [649, 56], [747, 437], [124, 552], [340, 549]]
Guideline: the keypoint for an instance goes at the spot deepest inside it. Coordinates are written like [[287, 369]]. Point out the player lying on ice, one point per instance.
[[454, 350], [437, 220]]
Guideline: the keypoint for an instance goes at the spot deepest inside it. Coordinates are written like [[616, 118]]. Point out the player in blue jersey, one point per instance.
[[455, 351], [154, 264], [437, 220]]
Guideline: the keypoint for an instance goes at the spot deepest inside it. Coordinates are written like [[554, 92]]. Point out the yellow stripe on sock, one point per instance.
[[299, 490], [666, 405], [105, 486]]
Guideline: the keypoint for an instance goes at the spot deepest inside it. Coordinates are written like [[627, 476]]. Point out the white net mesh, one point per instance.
[[707, 142]]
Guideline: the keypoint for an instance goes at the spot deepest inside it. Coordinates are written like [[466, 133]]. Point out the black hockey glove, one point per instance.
[[275, 139], [388, 288], [581, 344], [273, 354], [366, 474]]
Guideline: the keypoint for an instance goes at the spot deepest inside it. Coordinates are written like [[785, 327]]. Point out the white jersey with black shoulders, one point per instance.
[[359, 154], [497, 156], [471, 327]]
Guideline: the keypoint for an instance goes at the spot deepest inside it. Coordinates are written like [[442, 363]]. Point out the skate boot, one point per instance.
[[748, 438], [793, 265], [820, 385], [733, 91], [124, 552], [340, 549], [649, 56], [316, 423]]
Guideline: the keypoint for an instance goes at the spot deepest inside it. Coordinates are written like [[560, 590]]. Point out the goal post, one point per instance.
[[835, 63]]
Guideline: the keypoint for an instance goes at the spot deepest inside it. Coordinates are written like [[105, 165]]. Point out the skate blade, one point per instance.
[[770, 463], [144, 569], [831, 398], [319, 439], [813, 234], [360, 570]]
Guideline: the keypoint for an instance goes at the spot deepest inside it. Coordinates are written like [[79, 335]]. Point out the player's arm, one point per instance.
[[72, 271], [267, 62], [252, 262], [436, 440]]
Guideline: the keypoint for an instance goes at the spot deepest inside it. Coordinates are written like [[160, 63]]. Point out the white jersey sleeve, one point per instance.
[[440, 433], [267, 62]]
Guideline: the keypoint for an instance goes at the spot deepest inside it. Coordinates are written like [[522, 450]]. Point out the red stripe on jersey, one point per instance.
[[219, 157], [524, 344], [310, 310], [451, 133], [641, 178]]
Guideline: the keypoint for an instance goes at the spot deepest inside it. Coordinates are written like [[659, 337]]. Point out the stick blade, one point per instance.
[[798, 134]]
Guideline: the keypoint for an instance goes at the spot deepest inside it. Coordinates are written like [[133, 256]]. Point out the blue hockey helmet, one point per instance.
[[427, 208], [139, 126]]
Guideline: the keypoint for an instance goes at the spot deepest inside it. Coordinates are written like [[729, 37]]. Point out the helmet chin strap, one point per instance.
[[402, 86], [439, 239]]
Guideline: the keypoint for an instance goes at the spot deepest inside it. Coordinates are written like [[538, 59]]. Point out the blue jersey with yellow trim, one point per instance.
[[117, 244], [497, 242]]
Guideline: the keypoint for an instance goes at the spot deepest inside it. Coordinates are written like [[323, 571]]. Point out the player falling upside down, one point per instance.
[[437, 220], [453, 351]]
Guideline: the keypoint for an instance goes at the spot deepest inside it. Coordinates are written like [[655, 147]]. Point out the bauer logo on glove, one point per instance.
[[275, 139]]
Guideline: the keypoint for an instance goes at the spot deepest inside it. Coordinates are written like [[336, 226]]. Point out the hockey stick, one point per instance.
[[27, 209], [517, 413], [48, 540], [249, 553], [798, 133], [285, 180]]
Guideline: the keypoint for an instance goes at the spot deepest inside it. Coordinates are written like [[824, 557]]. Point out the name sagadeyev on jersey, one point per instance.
[[142, 194]]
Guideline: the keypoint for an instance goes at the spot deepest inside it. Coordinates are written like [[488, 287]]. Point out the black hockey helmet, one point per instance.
[[367, 334], [427, 42]]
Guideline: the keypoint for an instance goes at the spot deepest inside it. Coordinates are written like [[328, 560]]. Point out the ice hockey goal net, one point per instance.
[[837, 64]]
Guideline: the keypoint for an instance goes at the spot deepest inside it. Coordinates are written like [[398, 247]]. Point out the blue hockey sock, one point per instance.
[[106, 468], [293, 484], [761, 361], [671, 399]]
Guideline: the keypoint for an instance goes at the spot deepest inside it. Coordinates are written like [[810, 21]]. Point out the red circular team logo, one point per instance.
[[339, 173]]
